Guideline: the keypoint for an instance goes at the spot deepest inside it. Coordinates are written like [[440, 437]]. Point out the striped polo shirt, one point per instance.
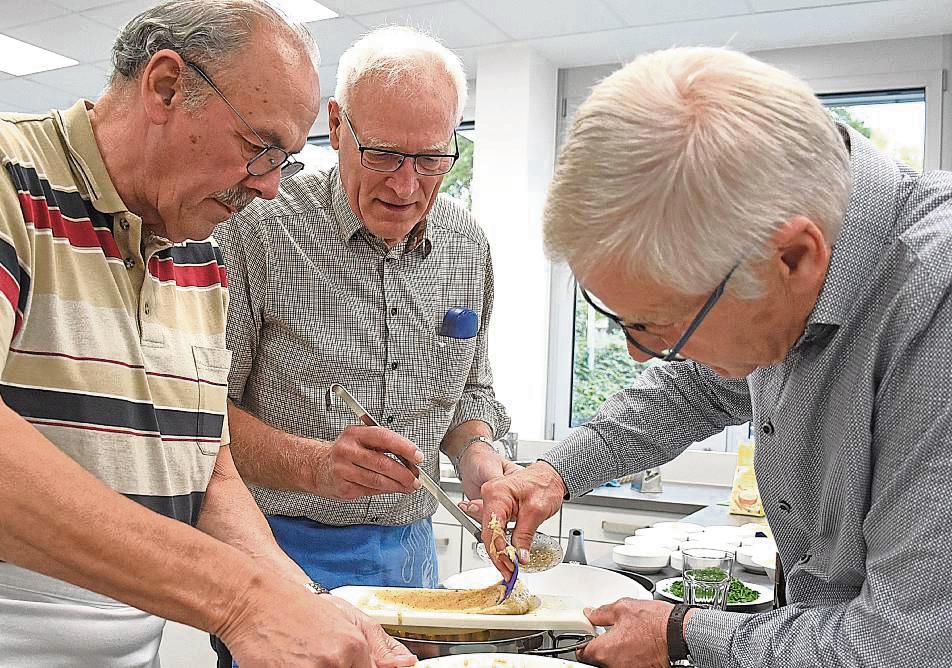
[[112, 340]]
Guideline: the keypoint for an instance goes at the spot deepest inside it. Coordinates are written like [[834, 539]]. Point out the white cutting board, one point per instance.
[[557, 613]]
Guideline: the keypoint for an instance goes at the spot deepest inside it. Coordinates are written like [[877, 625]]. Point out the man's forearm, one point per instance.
[[59, 520], [272, 458], [456, 440], [230, 514]]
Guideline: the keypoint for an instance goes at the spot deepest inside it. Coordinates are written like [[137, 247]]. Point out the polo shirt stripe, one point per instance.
[[14, 282], [88, 409], [184, 507], [195, 275]]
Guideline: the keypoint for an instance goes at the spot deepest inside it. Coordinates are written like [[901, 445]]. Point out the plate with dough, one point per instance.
[[467, 608]]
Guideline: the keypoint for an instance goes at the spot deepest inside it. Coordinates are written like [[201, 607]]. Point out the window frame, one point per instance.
[[561, 340]]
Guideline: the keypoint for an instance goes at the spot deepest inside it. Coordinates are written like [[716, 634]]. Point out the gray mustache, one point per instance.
[[236, 197]]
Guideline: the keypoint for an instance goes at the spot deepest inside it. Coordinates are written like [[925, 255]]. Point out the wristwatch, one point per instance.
[[475, 439], [316, 587], [677, 647]]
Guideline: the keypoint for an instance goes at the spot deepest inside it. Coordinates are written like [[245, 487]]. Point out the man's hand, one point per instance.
[[529, 496], [286, 625], [480, 464], [356, 465], [637, 637]]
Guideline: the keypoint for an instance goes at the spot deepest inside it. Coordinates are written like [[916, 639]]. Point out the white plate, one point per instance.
[[766, 593], [498, 660], [589, 585]]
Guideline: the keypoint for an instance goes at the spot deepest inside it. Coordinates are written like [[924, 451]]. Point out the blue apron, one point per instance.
[[360, 554]]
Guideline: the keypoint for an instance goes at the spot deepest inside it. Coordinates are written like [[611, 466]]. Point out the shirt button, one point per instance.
[[767, 428], [784, 505], [147, 308], [394, 365], [129, 262], [390, 419], [124, 224], [389, 260], [393, 311]]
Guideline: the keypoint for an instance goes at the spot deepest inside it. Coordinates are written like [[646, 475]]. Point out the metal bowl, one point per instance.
[[432, 643]]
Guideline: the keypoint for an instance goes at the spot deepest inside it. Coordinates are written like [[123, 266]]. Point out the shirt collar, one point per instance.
[[85, 157], [348, 224], [874, 186]]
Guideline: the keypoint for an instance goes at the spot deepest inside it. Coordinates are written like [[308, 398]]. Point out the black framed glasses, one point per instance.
[[383, 160], [270, 157], [672, 354]]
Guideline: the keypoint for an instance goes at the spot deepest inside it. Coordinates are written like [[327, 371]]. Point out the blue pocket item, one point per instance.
[[460, 323]]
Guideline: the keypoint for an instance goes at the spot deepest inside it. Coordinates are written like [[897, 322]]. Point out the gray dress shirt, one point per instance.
[[854, 443], [316, 299]]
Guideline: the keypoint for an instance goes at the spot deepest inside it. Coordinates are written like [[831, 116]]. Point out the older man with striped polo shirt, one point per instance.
[[113, 367]]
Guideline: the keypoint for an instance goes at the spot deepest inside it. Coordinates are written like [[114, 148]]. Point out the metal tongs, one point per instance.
[[431, 485]]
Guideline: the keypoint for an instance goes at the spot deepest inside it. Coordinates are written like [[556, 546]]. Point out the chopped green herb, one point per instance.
[[738, 593]]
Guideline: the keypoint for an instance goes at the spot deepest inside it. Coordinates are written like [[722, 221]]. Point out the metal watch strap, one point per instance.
[[677, 647], [475, 439], [316, 587]]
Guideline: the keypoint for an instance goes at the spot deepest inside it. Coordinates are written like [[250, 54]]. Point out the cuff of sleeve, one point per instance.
[[577, 461], [486, 410], [709, 635]]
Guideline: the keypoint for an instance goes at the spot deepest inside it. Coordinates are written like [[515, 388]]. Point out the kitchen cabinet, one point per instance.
[[448, 545], [609, 525]]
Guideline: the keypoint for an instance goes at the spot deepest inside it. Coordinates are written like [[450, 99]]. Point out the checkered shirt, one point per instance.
[[854, 443], [317, 300]]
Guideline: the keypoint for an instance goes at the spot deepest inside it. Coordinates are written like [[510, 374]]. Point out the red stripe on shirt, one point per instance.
[[188, 275], [79, 233], [10, 289]]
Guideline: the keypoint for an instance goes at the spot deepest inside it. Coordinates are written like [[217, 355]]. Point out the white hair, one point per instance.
[[398, 55], [685, 162]]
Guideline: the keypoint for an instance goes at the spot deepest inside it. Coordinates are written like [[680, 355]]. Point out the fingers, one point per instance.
[[358, 458], [605, 615], [384, 440], [385, 651], [472, 508]]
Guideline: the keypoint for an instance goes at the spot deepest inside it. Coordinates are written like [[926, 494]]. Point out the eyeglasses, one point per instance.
[[672, 354], [382, 160], [270, 157]]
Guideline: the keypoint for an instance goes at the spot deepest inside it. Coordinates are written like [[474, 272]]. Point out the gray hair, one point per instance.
[[201, 31], [398, 55], [685, 162]]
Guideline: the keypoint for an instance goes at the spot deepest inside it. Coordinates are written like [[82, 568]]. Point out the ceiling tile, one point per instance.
[[334, 36], [648, 12], [79, 80], [539, 18], [118, 15], [354, 7], [34, 97], [80, 5], [74, 36], [18, 13], [454, 23], [780, 5]]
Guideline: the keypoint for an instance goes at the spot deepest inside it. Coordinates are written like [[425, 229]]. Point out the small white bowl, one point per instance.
[[722, 529], [750, 557], [677, 561], [665, 542], [722, 539], [641, 559], [767, 562], [759, 541], [758, 527], [668, 532], [679, 526]]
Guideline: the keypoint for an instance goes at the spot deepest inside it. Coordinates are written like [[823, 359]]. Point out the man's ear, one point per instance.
[[160, 85], [333, 123], [802, 254]]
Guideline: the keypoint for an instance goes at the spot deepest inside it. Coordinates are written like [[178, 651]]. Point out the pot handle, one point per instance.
[[581, 639]]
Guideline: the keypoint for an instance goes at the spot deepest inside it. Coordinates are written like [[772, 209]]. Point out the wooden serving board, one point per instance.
[[557, 613]]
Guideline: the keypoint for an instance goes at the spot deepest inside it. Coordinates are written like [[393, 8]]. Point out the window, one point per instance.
[[894, 120], [318, 155]]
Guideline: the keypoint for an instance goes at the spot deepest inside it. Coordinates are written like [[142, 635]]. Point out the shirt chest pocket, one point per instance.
[[451, 362], [211, 369]]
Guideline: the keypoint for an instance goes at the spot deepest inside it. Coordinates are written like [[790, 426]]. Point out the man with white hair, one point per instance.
[[795, 277], [120, 504], [365, 276]]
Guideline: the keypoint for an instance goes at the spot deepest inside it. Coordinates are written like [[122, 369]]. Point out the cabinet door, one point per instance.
[[448, 544], [610, 525]]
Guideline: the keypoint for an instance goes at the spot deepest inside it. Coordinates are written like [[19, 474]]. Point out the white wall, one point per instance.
[[516, 93]]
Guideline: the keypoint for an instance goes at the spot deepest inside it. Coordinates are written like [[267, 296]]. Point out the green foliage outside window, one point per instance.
[[459, 181], [601, 370]]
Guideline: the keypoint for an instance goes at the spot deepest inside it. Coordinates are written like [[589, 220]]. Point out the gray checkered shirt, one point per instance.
[[854, 443], [316, 299]]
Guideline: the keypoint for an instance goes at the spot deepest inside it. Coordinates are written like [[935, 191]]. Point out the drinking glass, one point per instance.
[[706, 574]]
